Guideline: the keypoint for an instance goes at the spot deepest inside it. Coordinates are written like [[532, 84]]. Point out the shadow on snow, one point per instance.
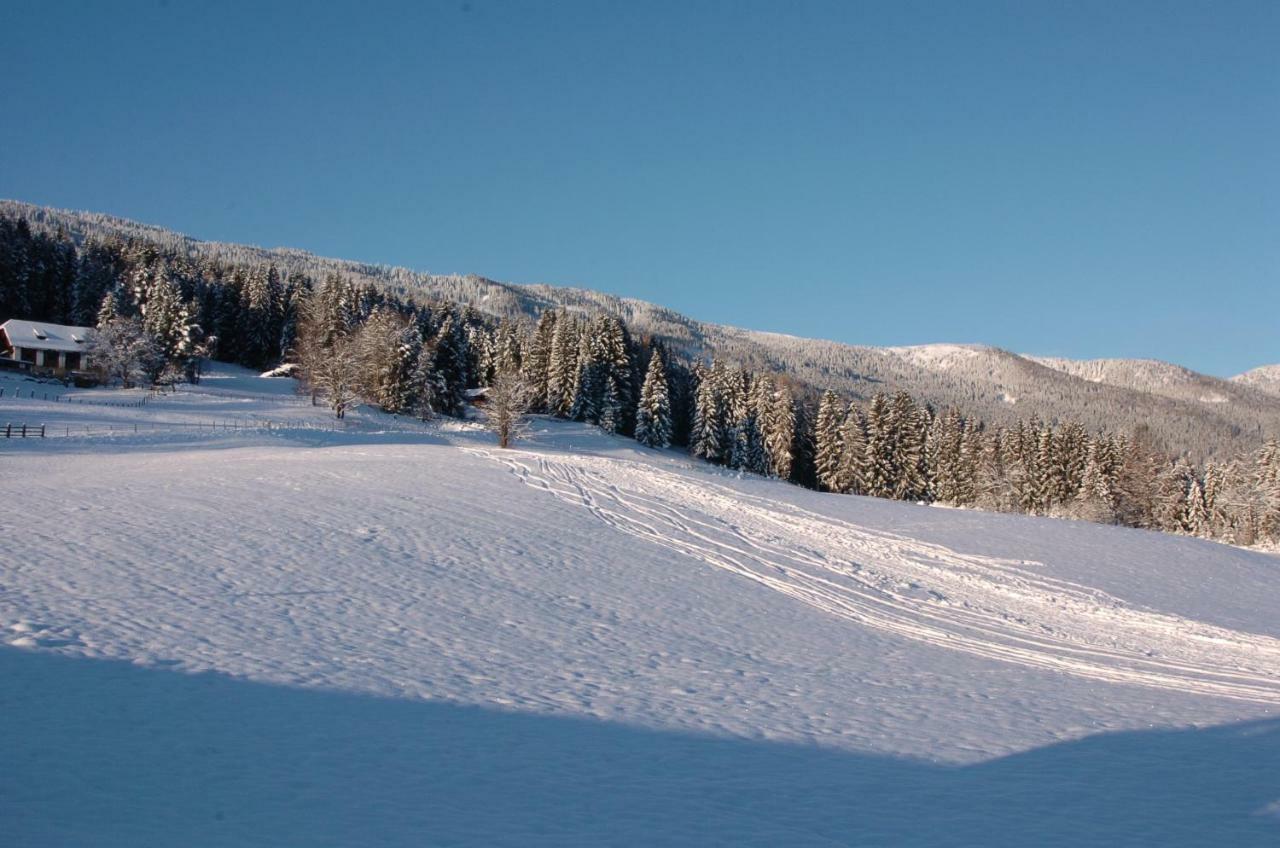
[[108, 753]]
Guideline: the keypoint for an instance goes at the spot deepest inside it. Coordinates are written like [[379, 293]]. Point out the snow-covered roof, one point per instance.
[[41, 335]]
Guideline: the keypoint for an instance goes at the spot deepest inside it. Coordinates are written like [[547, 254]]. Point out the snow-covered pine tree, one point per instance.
[[260, 311], [854, 474], [1195, 518], [708, 437], [778, 426], [612, 381], [507, 354], [296, 290], [1093, 498], [741, 429], [1267, 485], [168, 320], [880, 475], [942, 456], [802, 472], [452, 361], [653, 418], [586, 381], [536, 365], [562, 370], [906, 427], [426, 387], [1172, 486], [612, 409], [827, 445], [109, 310], [96, 275], [967, 472], [990, 486]]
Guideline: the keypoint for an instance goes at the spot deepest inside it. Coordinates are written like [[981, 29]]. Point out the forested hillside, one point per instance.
[[415, 344], [1184, 412]]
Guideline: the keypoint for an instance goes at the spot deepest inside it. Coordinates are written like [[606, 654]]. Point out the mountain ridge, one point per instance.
[[1192, 413]]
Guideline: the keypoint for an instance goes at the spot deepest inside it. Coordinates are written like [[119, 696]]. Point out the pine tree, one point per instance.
[[562, 370], [779, 424], [1172, 487], [653, 418], [854, 474], [426, 387], [586, 381], [260, 310], [708, 437], [452, 364], [536, 365], [168, 321], [944, 458], [613, 400], [880, 475], [1093, 499], [827, 443], [109, 310], [1195, 518]]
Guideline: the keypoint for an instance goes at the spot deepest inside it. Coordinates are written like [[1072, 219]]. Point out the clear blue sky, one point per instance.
[[1074, 178]]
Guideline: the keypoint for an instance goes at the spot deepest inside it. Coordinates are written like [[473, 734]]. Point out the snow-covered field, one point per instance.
[[221, 632]]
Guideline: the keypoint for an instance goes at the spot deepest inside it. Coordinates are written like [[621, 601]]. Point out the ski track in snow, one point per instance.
[[993, 608]]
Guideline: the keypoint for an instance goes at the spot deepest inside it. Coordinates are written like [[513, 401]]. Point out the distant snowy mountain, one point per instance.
[[1265, 379], [1190, 412], [1154, 377]]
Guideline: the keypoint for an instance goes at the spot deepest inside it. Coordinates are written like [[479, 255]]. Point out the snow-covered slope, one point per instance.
[[397, 634], [1265, 379], [1155, 377]]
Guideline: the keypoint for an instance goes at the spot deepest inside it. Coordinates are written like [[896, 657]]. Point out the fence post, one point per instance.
[[8, 431], [24, 431], [42, 431]]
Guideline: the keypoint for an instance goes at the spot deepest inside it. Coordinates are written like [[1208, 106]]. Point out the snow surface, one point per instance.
[[397, 634]]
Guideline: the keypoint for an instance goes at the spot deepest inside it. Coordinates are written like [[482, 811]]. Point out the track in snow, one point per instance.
[[985, 606]]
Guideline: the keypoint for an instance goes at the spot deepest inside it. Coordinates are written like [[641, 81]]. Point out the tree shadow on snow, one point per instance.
[[106, 753]]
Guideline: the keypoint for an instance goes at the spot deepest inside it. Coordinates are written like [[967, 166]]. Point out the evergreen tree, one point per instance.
[[855, 473], [562, 370], [827, 441], [708, 436], [779, 425], [1195, 518], [426, 387], [452, 364], [536, 365], [1093, 499], [653, 418]]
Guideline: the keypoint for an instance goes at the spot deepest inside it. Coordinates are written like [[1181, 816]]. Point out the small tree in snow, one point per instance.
[[653, 418], [124, 350], [506, 402], [338, 376]]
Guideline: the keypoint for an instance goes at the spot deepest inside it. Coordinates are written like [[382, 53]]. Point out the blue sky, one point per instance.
[[1071, 178]]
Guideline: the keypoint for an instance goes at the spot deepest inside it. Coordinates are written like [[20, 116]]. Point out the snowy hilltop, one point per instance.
[[231, 619], [1197, 414]]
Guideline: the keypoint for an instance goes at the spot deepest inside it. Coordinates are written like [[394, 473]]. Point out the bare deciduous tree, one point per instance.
[[506, 403], [337, 376]]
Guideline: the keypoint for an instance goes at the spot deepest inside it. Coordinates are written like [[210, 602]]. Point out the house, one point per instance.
[[42, 346]]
